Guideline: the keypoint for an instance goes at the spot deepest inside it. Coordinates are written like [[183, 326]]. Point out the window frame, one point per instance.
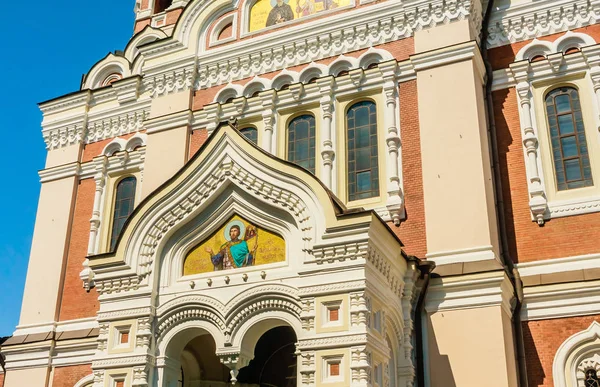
[[589, 108], [246, 127], [576, 133], [108, 205], [344, 144], [113, 208], [287, 142]]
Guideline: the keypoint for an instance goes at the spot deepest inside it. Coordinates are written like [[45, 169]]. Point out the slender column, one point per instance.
[[327, 148], [395, 202], [268, 115], [95, 221], [537, 197], [235, 362]]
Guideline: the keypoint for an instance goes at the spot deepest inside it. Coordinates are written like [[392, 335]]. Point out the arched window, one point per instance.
[[124, 203], [591, 378], [162, 5], [250, 133], [363, 170], [301, 142], [567, 133]]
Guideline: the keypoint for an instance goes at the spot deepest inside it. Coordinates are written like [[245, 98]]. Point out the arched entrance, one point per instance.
[[190, 361], [274, 362]]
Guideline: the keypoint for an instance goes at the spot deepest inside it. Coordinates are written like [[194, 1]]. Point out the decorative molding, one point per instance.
[[572, 353], [531, 20], [346, 340], [561, 301], [332, 288], [170, 81], [493, 289], [558, 265], [118, 125], [124, 314]]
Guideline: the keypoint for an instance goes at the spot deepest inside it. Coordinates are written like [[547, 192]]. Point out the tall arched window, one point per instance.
[[301, 142], [250, 133], [363, 170], [567, 134], [124, 203]]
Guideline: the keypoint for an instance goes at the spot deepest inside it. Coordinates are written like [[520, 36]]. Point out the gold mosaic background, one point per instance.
[[260, 11], [271, 249]]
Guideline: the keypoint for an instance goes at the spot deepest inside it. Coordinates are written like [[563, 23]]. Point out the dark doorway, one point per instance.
[[274, 363]]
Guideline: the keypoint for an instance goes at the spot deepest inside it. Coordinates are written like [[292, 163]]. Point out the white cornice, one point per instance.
[[547, 266], [473, 291], [515, 23], [60, 172], [175, 120], [561, 300]]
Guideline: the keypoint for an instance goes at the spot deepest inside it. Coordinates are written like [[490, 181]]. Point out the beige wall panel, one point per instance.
[[48, 251], [169, 104], [456, 173], [442, 36], [62, 156], [166, 153], [31, 377], [468, 347]]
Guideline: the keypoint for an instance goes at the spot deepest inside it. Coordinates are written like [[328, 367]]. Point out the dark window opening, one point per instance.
[[251, 134], [162, 5], [301, 142], [567, 136], [124, 204], [591, 378], [363, 167]]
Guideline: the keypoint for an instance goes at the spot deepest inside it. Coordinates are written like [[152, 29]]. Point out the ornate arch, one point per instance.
[[577, 351], [86, 381], [263, 299], [226, 160]]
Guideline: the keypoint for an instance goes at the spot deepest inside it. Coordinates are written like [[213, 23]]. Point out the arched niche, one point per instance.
[[276, 229]]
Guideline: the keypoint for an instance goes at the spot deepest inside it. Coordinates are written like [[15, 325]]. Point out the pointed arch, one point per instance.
[[572, 353]]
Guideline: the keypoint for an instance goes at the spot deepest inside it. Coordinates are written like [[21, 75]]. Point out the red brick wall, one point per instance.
[[501, 57], [68, 376], [95, 149], [542, 339], [76, 302], [412, 230], [559, 237], [1, 379], [140, 25], [197, 138]]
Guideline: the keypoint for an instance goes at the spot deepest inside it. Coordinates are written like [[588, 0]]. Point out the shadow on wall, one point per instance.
[[440, 371], [535, 370], [504, 104]]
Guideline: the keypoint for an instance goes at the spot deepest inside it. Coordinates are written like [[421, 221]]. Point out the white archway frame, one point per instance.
[[544, 48], [572, 352], [86, 381], [173, 257]]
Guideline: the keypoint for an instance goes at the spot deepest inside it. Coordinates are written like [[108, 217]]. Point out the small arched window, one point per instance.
[[567, 135], [250, 133], [301, 142], [162, 5], [124, 204], [591, 378], [363, 169]]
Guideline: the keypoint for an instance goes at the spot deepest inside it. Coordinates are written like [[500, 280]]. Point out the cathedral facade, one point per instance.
[[335, 193]]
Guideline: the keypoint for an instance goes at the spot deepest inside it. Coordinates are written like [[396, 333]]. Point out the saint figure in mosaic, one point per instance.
[[281, 13], [235, 252]]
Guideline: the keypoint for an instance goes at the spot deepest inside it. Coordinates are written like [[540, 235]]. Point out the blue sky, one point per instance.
[[47, 46]]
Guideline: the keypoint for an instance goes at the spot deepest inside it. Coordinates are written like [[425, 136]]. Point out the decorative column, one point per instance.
[[268, 115], [592, 58], [327, 148], [537, 197], [395, 201], [307, 368], [100, 179]]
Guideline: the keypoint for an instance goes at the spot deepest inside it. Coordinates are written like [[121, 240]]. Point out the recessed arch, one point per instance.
[[572, 352]]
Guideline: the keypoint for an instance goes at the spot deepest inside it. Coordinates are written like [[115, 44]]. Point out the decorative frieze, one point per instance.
[[170, 81], [114, 126], [539, 18]]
